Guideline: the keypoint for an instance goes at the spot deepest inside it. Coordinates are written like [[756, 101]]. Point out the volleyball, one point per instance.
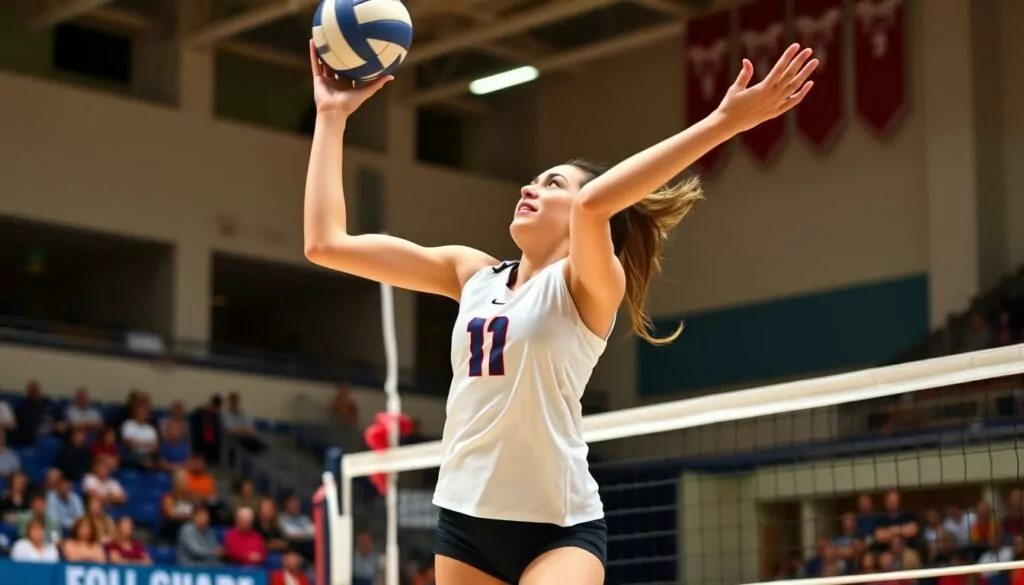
[[362, 40]]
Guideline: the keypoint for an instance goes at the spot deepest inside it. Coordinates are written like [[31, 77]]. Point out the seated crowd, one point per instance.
[[123, 485], [895, 539]]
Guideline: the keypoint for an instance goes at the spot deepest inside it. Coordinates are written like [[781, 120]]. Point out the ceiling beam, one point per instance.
[[58, 12], [666, 6], [565, 60], [247, 20], [546, 14]]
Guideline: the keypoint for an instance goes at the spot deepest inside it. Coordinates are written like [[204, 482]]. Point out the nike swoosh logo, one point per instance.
[[495, 302]]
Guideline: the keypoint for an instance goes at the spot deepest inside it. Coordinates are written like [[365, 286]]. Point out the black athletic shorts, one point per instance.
[[503, 548]]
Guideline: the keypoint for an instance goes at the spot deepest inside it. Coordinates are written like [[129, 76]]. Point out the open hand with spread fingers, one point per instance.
[[781, 90]]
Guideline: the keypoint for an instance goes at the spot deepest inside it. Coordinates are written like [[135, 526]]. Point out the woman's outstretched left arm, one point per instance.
[[596, 275], [742, 108]]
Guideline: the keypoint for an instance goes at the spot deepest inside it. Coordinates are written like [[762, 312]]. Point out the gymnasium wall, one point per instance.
[[814, 264]]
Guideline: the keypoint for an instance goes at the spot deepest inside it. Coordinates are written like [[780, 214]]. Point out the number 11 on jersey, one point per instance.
[[478, 329]]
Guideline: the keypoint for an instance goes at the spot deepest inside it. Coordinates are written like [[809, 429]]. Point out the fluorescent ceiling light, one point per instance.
[[504, 80]]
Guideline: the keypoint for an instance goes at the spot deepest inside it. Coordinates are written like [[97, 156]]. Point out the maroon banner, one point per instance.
[[880, 93], [762, 39], [708, 76], [819, 25]]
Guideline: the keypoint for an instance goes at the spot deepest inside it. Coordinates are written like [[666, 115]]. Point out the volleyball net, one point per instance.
[[912, 469]]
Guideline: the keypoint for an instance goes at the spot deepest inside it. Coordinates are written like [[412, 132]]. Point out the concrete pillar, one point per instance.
[[193, 289], [947, 101]]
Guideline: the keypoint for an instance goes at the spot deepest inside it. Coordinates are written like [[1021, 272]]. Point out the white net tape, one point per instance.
[[717, 521]]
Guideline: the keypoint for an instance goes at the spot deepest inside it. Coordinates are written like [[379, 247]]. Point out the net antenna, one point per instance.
[[340, 513], [394, 408]]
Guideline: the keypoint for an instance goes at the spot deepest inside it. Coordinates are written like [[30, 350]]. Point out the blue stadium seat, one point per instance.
[[163, 555], [3, 484], [9, 530], [36, 472], [144, 513], [158, 481], [220, 531], [47, 448], [262, 425], [274, 561], [130, 480]]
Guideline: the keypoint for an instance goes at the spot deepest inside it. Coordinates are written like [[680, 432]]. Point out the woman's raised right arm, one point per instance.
[[441, 270]]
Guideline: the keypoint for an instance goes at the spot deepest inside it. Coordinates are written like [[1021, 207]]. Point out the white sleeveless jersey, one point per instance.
[[513, 443]]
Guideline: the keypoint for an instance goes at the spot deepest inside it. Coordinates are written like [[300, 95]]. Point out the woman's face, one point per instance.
[[247, 489], [95, 507], [36, 534], [267, 509], [19, 482], [544, 204], [84, 532], [125, 527]]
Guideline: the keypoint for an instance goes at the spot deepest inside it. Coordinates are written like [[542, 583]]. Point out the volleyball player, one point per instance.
[[518, 503]]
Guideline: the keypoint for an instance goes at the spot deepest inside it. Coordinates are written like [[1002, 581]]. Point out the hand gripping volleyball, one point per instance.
[[362, 40]]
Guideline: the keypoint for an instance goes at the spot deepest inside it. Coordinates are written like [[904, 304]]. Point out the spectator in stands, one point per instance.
[[140, 439], [63, 505], [101, 484], [904, 557], [245, 495], [107, 446], [825, 560], [52, 480], [930, 534], [36, 416], [82, 414], [946, 550], [996, 551], [176, 507], [174, 448], [366, 562], [197, 542], [895, 523], [135, 397], [269, 526], [867, 563], [844, 543], [33, 547], [205, 430], [1013, 520], [7, 420], [238, 425], [425, 575], [867, 519], [1005, 335], [298, 529], [75, 458], [9, 460], [16, 499], [242, 544], [82, 546], [102, 522], [290, 572], [979, 336], [37, 513], [345, 408], [200, 484], [959, 524], [984, 525], [175, 414], [124, 548]]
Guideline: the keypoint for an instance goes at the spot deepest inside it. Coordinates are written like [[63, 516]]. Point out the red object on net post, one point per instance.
[[376, 437]]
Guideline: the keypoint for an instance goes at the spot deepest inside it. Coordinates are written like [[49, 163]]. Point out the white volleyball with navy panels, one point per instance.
[[361, 40]]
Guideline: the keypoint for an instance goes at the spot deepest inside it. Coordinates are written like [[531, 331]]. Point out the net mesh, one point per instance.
[[926, 478]]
